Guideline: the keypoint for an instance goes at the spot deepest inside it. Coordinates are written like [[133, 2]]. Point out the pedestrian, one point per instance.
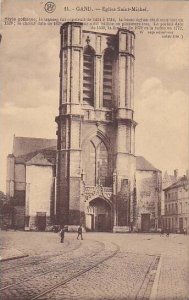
[[167, 232], [62, 234], [162, 232], [79, 231]]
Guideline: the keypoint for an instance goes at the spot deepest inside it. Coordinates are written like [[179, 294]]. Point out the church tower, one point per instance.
[[96, 161]]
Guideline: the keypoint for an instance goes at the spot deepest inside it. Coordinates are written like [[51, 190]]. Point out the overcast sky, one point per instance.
[[30, 81]]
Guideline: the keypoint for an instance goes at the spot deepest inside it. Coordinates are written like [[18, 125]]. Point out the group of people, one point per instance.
[[79, 233], [166, 232]]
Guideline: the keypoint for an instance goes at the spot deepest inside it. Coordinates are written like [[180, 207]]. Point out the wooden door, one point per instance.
[[145, 222]]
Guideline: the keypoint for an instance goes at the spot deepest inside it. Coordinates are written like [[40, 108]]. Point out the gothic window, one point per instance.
[[102, 165], [88, 75], [90, 164], [96, 163], [108, 78]]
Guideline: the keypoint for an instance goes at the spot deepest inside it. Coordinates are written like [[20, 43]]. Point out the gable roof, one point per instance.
[[24, 145], [144, 165], [48, 154], [39, 160], [183, 181]]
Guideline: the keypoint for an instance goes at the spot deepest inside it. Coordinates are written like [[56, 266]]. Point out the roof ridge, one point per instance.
[[176, 183], [36, 152], [37, 138]]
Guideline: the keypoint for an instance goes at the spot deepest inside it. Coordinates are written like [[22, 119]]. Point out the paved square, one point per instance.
[[102, 266]]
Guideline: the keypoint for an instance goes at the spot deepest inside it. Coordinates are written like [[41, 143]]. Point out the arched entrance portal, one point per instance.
[[100, 216]]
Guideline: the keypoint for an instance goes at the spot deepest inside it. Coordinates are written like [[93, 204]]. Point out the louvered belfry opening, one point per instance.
[[107, 78], [88, 75]]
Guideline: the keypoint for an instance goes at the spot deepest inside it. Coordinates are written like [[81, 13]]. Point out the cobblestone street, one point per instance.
[[102, 266]]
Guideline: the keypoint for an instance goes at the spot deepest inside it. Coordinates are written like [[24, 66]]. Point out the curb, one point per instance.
[[154, 290], [14, 257]]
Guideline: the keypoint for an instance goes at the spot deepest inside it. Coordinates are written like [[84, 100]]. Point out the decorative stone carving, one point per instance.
[[107, 192], [92, 192], [90, 209]]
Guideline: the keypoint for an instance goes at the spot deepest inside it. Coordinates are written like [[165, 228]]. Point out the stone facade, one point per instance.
[[31, 182], [31, 190], [148, 196], [96, 128], [92, 176]]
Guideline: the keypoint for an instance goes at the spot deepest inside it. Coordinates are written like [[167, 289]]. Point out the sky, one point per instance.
[[30, 80]]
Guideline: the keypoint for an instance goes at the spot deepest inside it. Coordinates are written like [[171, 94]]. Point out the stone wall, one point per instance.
[[147, 196], [39, 193]]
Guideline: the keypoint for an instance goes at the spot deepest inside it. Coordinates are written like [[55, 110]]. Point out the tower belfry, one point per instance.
[[96, 130]]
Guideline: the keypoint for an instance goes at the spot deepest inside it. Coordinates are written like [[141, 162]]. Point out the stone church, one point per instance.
[[99, 181], [96, 163]]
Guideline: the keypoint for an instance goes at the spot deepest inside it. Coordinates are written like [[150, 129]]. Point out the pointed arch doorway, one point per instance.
[[100, 217]]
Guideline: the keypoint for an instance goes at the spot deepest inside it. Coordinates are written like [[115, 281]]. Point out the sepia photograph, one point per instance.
[[94, 155]]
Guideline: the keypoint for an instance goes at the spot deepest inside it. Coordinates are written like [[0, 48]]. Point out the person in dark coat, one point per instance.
[[167, 232], [62, 234], [79, 231]]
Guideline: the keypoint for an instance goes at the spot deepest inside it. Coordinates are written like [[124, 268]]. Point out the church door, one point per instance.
[[41, 221], [145, 222], [102, 219]]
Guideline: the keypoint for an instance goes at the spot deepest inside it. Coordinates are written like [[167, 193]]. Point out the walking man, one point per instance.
[[79, 231], [167, 232], [62, 234]]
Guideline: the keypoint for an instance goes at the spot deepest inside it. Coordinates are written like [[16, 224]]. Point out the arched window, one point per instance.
[[102, 164], [90, 164], [88, 75], [96, 163], [108, 78]]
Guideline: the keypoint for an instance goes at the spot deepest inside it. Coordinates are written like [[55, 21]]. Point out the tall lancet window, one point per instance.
[[96, 163], [108, 78], [88, 74]]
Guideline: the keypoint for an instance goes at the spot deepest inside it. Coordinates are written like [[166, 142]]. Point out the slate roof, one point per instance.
[[144, 165], [181, 182], [25, 145], [26, 148], [49, 154]]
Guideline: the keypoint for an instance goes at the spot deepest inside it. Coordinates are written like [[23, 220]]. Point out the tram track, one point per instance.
[[59, 276], [54, 268], [37, 259], [77, 275]]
